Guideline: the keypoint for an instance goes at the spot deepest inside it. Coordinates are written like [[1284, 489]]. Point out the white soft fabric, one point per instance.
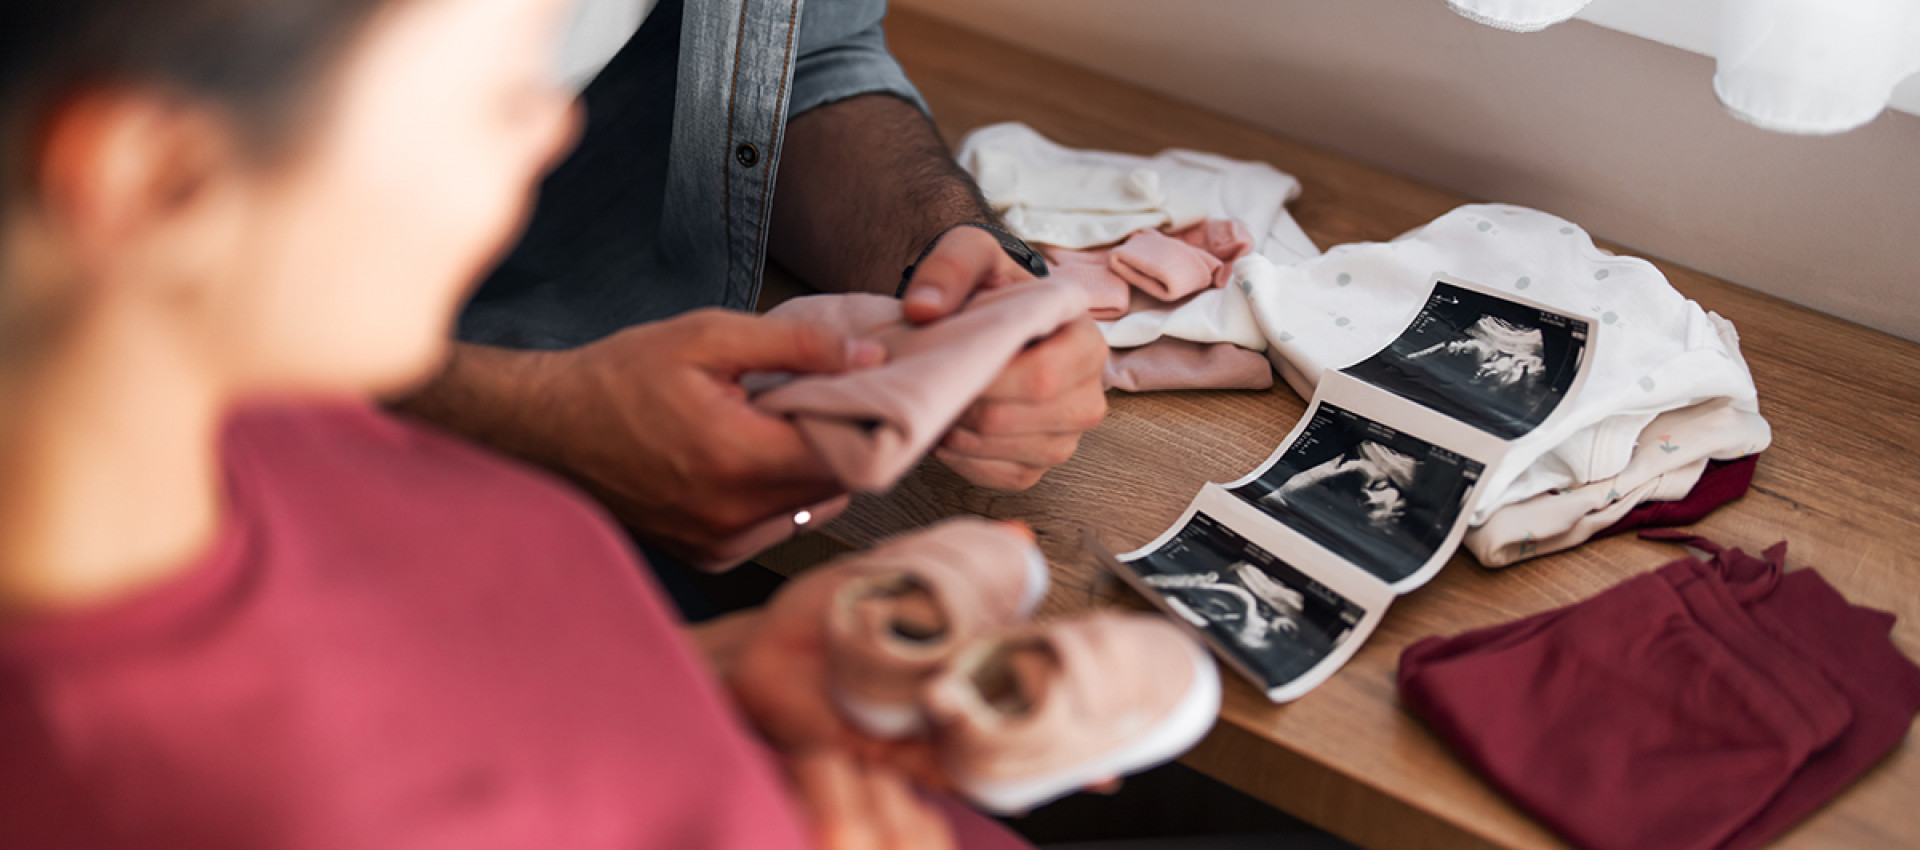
[[1077, 199], [1668, 458], [1814, 66], [1211, 315], [1656, 350], [1794, 66], [1518, 15], [1054, 195]]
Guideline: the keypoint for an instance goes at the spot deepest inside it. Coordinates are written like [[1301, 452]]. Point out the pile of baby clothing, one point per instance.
[[1668, 393], [1194, 266], [1152, 242]]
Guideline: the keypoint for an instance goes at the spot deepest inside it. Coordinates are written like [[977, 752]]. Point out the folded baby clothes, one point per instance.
[[1108, 296], [1070, 198], [1155, 274], [872, 425], [1077, 199], [1207, 316], [1152, 270], [1668, 459], [1722, 482], [1162, 266], [1176, 364], [1656, 351], [1709, 704]]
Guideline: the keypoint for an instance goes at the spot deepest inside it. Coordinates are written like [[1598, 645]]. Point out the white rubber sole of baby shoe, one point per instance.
[[1175, 734], [887, 721], [1038, 579]]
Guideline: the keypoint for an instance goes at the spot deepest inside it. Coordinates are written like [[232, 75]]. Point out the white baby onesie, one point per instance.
[[1078, 199], [1656, 350], [1053, 195], [1207, 316], [1668, 459]]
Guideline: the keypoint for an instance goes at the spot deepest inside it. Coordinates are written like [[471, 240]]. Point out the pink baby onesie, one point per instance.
[[1172, 266], [1108, 296], [1164, 267], [872, 425], [1178, 364], [1152, 270]]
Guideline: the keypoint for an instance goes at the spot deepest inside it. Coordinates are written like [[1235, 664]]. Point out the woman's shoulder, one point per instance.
[[351, 462]]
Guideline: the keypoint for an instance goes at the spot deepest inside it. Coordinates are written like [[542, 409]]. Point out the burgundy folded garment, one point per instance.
[[1724, 481], [872, 425], [1708, 704]]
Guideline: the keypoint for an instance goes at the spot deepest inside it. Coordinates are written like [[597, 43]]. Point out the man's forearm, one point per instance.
[[491, 396], [865, 183]]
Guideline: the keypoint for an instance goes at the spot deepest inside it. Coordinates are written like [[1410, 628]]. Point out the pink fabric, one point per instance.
[[399, 641], [1152, 270], [1107, 294], [1224, 239], [1178, 364], [872, 425], [1138, 301], [1710, 704], [1162, 266], [1160, 271], [1172, 266]]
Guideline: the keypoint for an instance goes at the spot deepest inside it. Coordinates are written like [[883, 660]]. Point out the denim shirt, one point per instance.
[[646, 220]]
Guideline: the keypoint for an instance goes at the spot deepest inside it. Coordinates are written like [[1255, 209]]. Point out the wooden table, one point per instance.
[[1839, 483]]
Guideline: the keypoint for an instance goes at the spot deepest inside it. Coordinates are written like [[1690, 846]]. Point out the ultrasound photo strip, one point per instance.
[[1390, 499], [1494, 361], [1280, 628], [1370, 494], [1384, 500], [1257, 580]]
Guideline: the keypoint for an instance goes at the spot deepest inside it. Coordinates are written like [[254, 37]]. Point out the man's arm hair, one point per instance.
[[864, 185]]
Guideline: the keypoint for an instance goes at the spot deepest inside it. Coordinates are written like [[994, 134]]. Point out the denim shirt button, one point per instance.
[[747, 154]]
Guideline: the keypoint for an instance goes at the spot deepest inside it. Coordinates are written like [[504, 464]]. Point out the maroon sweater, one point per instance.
[[398, 641]]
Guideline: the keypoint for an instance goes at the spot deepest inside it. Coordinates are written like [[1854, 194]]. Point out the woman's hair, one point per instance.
[[259, 61]]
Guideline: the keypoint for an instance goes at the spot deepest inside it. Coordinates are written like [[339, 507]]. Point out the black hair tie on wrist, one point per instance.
[[1019, 250]]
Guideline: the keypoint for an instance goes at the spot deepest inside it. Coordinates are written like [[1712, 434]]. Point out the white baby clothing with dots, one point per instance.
[[1669, 457], [1655, 352], [1077, 199], [1054, 195]]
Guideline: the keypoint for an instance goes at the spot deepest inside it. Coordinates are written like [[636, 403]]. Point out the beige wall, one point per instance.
[[1616, 132]]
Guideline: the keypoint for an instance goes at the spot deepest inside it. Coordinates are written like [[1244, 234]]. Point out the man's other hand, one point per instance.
[[1031, 418], [654, 421]]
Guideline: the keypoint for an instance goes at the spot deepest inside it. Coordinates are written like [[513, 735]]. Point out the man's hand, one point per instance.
[[862, 806], [654, 422], [1031, 418], [660, 429]]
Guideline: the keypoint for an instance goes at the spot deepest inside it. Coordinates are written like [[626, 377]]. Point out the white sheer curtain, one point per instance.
[[1796, 66]]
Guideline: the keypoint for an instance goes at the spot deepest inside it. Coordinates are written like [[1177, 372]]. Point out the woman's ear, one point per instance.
[[123, 175]]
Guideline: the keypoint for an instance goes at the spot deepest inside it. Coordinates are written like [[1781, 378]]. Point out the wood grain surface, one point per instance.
[[1839, 483]]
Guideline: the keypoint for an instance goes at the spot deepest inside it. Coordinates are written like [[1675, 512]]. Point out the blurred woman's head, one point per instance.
[[291, 195]]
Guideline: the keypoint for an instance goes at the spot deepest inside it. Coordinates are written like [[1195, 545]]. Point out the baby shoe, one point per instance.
[[1035, 713], [906, 606]]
